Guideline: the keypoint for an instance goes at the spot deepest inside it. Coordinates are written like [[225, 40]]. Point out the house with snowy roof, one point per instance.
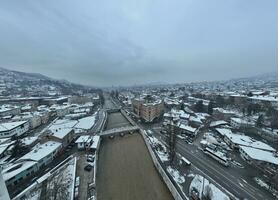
[[10, 129]]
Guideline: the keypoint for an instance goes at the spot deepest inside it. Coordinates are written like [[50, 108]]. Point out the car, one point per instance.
[[111, 136], [88, 167], [122, 134], [89, 159], [77, 181]]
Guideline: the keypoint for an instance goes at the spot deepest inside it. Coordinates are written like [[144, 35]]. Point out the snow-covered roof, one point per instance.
[[62, 124], [224, 111], [83, 138], [4, 140], [187, 128], [218, 123], [95, 142], [261, 155], [3, 147], [86, 123], [41, 151], [10, 125], [29, 140], [264, 98], [242, 121], [61, 133], [17, 168], [244, 140]]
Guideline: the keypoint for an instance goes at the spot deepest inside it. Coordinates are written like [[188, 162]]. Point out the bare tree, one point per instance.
[[58, 187]]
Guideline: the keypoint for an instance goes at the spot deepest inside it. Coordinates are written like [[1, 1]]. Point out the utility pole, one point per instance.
[[172, 139]]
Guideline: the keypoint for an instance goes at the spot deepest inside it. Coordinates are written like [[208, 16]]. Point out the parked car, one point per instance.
[[88, 167], [90, 158]]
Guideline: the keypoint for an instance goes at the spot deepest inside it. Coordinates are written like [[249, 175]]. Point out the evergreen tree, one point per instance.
[[210, 108], [274, 121], [260, 121], [199, 107]]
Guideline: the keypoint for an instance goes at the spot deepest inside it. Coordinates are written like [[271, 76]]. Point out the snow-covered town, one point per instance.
[[138, 100]]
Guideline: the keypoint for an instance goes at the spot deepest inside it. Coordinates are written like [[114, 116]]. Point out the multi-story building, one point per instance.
[[10, 129], [40, 156], [6, 110], [147, 108]]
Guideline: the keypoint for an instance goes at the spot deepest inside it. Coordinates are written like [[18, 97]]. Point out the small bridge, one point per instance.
[[119, 130]]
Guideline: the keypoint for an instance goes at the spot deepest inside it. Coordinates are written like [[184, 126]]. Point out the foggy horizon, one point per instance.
[[129, 43]]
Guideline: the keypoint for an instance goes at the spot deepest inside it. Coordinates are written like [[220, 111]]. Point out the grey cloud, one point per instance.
[[106, 43]]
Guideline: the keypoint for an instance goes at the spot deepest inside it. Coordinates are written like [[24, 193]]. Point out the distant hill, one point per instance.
[[35, 84]]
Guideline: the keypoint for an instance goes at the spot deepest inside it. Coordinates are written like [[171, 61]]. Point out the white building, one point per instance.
[[241, 123], [41, 155], [34, 119], [8, 110], [258, 156], [84, 141], [10, 129], [3, 192]]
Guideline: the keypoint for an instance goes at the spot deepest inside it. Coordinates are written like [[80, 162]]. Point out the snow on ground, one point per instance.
[[176, 175], [159, 148], [266, 186], [204, 188], [62, 181], [86, 123], [34, 195]]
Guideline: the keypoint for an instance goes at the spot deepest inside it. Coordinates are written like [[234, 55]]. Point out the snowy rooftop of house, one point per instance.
[[218, 123], [61, 133], [83, 138], [5, 108], [86, 123], [188, 128], [95, 142], [17, 168], [264, 98], [29, 140], [42, 150], [3, 147], [10, 125], [224, 111], [258, 154], [244, 140], [4, 140], [196, 119], [241, 121], [62, 124]]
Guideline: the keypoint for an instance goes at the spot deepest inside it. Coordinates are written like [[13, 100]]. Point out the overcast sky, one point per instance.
[[113, 42]]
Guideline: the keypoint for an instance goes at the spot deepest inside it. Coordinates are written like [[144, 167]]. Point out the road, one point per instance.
[[230, 179]]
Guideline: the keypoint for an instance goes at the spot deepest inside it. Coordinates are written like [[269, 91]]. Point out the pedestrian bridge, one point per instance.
[[119, 130]]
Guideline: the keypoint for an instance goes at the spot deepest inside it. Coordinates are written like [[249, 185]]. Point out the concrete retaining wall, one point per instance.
[[157, 164], [161, 171], [128, 118]]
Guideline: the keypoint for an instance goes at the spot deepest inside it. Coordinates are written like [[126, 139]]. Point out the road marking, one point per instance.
[[228, 180]]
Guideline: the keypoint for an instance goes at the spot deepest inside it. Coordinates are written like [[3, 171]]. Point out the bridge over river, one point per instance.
[[125, 167]]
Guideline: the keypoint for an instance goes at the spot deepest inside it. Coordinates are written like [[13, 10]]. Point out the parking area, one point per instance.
[[86, 177], [126, 171]]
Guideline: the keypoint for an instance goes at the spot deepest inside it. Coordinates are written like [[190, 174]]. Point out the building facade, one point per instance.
[[147, 110]]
